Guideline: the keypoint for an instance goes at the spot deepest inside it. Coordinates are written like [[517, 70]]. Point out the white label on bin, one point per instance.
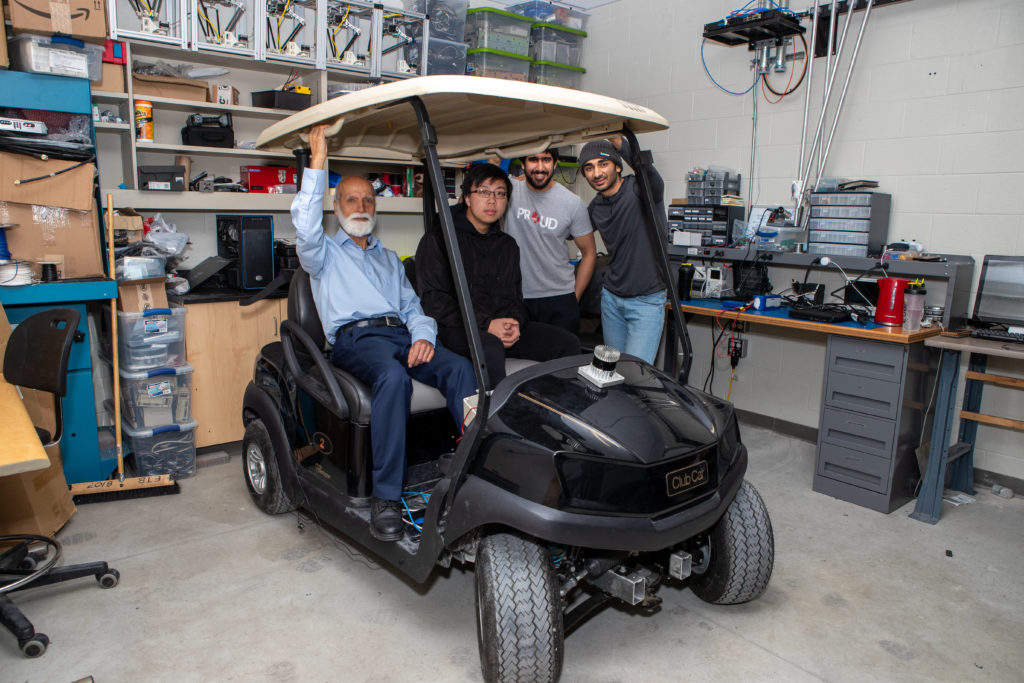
[[158, 185], [69, 63], [159, 388], [155, 325]]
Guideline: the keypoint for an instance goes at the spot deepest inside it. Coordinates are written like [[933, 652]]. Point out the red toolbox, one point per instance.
[[275, 179]]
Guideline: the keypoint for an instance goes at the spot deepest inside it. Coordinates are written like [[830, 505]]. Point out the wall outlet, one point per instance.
[[738, 345]]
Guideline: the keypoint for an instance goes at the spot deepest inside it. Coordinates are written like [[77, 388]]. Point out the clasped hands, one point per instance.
[[505, 329]]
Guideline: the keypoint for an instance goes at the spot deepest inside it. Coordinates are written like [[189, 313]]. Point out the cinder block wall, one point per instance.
[[933, 113]]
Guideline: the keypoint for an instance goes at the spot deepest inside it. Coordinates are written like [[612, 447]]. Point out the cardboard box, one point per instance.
[[165, 86], [55, 233], [83, 19], [127, 219], [71, 190], [112, 80], [4, 60], [223, 94], [36, 502], [136, 296]]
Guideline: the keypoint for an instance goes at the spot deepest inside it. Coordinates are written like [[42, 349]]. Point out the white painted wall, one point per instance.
[[934, 113]]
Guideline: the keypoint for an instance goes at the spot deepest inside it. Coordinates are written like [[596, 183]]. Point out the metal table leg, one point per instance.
[[929, 500]]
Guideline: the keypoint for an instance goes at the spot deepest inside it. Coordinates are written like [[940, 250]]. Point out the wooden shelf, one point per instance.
[[145, 200], [108, 127], [195, 150], [101, 96], [191, 105]]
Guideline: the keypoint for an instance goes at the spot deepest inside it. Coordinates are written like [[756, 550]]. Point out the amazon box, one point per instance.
[[168, 86], [136, 296], [82, 19], [36, 502], [53, 233]]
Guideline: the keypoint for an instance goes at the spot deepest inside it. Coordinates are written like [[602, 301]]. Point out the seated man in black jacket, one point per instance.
[[491, 260]]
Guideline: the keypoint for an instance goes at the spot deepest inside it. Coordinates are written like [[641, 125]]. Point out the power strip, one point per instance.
[[23, 126]]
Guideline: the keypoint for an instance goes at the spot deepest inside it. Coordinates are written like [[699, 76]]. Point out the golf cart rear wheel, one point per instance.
[[742, 552], [262, 477], [518, 610]]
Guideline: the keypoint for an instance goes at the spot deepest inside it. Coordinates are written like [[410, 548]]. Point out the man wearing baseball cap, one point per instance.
[[633, 298]]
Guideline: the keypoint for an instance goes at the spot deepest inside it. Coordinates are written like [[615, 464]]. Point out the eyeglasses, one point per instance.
[[487, 194]]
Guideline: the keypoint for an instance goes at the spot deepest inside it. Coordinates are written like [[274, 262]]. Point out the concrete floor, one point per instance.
[[213, 589]]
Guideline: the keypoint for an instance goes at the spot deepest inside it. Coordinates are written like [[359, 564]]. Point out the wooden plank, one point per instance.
[[989, 378], [887, 334], [992, 420], [20, 450]]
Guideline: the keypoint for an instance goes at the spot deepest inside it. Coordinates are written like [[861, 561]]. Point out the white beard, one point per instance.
[[358, 228]]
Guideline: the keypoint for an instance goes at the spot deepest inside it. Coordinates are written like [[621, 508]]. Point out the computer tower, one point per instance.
[[249, 242]]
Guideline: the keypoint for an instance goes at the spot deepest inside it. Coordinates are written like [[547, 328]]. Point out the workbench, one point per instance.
[[20, 450], [876, 384], [960, 455]]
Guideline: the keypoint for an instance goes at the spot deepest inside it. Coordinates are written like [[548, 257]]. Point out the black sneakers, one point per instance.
[[386, 520]]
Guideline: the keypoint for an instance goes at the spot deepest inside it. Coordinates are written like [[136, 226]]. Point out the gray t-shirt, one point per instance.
[[541, 222]]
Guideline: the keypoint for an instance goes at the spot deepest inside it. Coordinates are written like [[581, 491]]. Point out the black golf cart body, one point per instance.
[[619, 487]]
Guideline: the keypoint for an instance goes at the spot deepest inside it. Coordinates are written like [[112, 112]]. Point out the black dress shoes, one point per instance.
[[386, 520]]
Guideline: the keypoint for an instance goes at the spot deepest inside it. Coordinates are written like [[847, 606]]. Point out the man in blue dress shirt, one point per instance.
[[373, 319]]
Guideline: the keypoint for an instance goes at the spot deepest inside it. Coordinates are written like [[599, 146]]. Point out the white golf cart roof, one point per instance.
[[473, 117]]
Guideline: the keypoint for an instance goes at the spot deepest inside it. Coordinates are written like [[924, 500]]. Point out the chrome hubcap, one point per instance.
[[256, 466]]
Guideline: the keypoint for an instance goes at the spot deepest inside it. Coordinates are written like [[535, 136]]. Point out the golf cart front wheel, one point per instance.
[[519, 615], [742, 552], [262, 476]]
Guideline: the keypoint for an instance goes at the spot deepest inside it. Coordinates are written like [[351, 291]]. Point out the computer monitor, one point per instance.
[[1000, 297]]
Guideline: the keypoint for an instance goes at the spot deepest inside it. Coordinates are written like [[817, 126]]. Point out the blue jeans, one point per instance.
[[378, 357], [633, 324]]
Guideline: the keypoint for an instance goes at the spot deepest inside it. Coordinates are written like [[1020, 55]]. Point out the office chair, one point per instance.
[[37, 358]]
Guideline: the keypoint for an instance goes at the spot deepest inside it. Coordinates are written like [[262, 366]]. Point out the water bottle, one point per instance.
[[913, 307], [1002, 491], [685, 280]]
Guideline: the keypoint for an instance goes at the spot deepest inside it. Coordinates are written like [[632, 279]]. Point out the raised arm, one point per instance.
[[308, 207]]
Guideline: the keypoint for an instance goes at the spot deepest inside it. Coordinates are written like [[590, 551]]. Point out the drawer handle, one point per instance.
[[855, 424]]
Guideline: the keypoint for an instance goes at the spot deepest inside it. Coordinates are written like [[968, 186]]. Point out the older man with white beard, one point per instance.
[[373, 318]]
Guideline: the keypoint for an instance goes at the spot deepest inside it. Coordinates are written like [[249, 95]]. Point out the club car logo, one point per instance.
[[686, 478]]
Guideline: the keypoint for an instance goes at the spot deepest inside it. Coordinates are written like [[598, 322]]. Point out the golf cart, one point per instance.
[[578, 482]]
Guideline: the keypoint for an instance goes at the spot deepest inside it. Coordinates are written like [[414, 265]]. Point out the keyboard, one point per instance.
[[998, 335]]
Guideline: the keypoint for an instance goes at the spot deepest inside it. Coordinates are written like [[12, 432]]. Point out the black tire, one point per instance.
[[109, 579], [742, 552], [518, 610], [262, 477]]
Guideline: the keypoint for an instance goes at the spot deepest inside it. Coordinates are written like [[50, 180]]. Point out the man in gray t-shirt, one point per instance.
[[542, 215]]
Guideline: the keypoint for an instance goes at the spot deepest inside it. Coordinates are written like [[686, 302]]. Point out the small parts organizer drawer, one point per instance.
[[875, 360]]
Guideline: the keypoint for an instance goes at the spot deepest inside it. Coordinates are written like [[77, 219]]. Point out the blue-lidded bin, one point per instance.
[[167, 449]]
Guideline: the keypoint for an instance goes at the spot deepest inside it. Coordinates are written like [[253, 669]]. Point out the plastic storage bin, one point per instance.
[[552, 13], [151, 339], [444, 57], [167, 449], [839, 237], [162, 396], [488, 28], [562, 75], [837, 249], [495, 64], [840, 212], [139, 267], [558, 44], [57, 55], [841, 199], [447, 17], [845, 224]]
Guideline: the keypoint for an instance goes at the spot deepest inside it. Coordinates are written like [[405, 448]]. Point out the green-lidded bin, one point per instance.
[[558, 44], [497, 64], [552, 73], [488, 28]]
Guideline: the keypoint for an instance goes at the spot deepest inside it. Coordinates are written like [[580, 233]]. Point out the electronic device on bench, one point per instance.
[[1000, 299], [249, 242], [820, 314]]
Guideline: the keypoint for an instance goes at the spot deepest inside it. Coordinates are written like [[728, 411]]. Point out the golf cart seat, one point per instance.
[[302, 311]]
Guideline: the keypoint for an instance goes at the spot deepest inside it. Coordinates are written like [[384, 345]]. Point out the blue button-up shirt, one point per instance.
[[350, 283]]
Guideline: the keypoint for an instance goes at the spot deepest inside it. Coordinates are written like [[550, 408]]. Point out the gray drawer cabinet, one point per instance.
[[873, 403]]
